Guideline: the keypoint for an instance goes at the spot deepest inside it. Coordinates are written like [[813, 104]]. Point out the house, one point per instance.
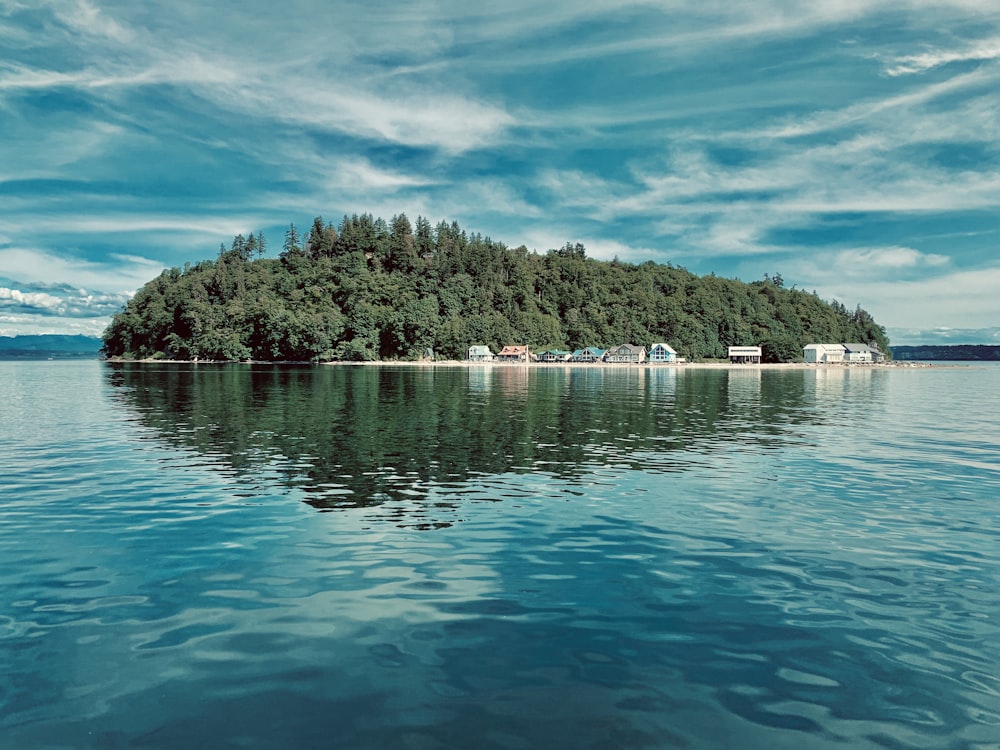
[[860, 353], [823, 353], [589, 354], [662, 353], [554, 355], [479, 353], [744, 355], [626, 353], [514, 354]]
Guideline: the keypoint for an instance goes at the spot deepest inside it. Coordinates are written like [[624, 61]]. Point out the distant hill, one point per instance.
[[960, 352], [49, 345]]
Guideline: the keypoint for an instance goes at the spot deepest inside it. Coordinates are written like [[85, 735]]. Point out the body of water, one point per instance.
[[241, 556]]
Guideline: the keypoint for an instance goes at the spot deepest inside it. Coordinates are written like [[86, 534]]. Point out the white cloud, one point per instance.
[[863, 261], [359, 173], [83, 17], [938, 296], [981, 51], [17, 324], [32, 299], [120, 274]]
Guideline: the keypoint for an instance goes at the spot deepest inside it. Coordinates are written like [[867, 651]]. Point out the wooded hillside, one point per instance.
[[372, 290]]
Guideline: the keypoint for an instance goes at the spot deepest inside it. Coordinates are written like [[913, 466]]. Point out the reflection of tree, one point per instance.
[[354, 436]]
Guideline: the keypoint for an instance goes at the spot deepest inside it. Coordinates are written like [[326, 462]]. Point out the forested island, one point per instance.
[[374, 290]]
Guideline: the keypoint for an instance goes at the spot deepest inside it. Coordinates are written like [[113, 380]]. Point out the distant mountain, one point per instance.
[[49, 345], [959, 352]]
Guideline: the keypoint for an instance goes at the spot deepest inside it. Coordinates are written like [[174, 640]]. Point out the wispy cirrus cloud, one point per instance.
[[980, 51]]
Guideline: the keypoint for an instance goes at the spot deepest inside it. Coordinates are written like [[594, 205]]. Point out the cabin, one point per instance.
[[662, 353], [588, 354], [823, 353], [514, 354], [626, 353], [479, 353], [744, 355], [554, 355]]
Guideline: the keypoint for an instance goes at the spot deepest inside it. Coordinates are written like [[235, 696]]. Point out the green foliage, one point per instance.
[[372, 290]]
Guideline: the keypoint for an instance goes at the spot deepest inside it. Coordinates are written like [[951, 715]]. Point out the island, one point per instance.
[[372, 290]]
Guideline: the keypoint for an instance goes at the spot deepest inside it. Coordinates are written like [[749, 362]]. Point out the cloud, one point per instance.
[[38, 300], [66, 303], [120, 274], [16, 324], [864, 261], [980, 51], [919, 302]]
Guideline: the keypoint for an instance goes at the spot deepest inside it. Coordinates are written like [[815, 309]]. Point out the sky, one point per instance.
[[852, 147]]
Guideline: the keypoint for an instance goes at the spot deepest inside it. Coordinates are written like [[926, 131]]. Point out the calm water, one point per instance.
[[363, 557]]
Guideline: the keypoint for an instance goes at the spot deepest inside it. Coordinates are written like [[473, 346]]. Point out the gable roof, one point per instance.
[[513, 350], [630, 348], [663, 346]]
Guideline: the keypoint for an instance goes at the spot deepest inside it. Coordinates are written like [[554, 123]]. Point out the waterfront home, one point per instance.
[[588, 354], [554, 355], [514, 354], [478, 353], [823, 353], [626, 353], [744, 355], [662, 353], [861, 353]]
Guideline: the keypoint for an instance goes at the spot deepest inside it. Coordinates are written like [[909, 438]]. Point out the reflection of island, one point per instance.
[[350, 436]]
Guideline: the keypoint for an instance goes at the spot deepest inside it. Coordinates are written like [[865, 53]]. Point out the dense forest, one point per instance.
[[376, 290]]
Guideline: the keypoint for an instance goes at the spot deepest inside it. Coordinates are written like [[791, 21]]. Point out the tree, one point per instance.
[[293, 242]]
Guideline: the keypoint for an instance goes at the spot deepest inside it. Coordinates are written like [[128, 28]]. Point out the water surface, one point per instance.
[[500, 557]]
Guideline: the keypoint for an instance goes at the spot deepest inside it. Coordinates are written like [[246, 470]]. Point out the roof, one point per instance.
[[509, 350], [479, 349], [663, 346], [631, 348], [858, 348]]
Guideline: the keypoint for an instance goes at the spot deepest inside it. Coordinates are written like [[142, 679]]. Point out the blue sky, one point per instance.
[[853, 147]]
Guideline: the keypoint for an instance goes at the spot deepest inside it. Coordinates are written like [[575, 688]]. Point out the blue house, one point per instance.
[[662, 353]]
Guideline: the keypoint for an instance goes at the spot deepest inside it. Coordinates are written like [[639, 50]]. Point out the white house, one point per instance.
[[744, 355], [479, 353], [662, 353], [859, 353], [554, 355], [823, 353]]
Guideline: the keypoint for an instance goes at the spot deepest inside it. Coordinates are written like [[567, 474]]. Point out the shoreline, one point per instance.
[[592, 365]]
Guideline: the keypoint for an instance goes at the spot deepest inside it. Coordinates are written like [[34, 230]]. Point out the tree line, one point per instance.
[[368, 290]]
